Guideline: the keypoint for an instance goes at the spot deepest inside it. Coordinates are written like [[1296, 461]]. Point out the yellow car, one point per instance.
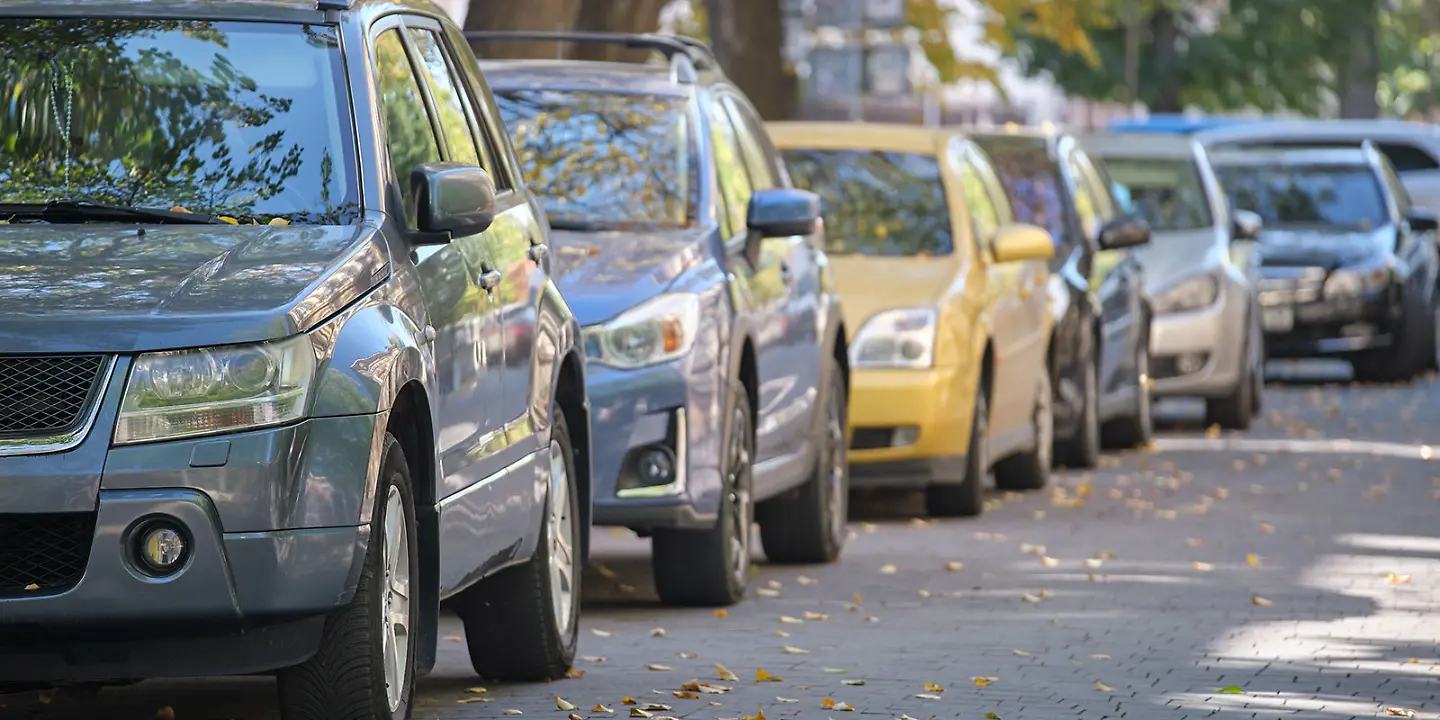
[[949, 298]]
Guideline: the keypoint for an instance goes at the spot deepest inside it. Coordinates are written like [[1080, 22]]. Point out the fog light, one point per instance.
[[656, 466], [904, 436], [1190, 363], [163, 549]]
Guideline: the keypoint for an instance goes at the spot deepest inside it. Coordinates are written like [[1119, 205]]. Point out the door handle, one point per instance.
[[785, 273], [429, 333], [538, 252], [489, 280]]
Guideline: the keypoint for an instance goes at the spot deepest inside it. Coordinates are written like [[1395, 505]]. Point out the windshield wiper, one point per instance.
[[66, 211]]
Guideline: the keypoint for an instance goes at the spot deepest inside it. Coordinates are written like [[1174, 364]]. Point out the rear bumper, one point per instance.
[[210, 617], [1212, 337], [936, 405]]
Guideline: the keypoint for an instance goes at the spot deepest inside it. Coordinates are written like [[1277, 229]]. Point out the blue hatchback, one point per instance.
[[718, 372]]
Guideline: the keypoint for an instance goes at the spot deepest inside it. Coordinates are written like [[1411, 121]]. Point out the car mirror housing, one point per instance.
[[782, 212], [1019, 241], [1246, 225], [453, 199], [1124, 232], [1422, 220]]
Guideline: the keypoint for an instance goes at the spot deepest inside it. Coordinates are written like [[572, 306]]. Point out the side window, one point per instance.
[[730, 171], [1407, 158], [1004, 214], [1100, 189], [754, 143], [983, 219], [408, 130], [450, 102], [1395, 187], [1087, 206]]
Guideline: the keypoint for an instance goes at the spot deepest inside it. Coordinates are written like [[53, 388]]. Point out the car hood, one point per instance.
[[116, 289], [1324, 247], [870, 284], [1172, 256], [602, 274]]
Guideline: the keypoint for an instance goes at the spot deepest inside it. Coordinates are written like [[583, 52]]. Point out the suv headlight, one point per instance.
[[660, 329], [188, 393], [896, 339], [1191, 294], [1356, 281]]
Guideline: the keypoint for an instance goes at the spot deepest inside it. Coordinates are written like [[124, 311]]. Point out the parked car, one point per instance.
[[255, 419], [1348, 264], [949, 355], [1201, 271], [1100, 357], [717, 351]]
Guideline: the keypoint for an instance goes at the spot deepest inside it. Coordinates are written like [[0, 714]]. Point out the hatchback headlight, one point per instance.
[[1191, 294], [189, 393], [658, 330], [1356, 281], [896, 339]]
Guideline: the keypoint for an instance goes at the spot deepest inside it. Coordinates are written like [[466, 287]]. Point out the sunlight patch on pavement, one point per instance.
[[1393, 543], [1286, 703], [1262, 445]]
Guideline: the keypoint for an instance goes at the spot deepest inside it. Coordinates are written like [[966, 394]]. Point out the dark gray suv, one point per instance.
[[281, 361]]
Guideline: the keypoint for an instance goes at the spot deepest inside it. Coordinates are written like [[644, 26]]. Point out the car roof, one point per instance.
[[1141, 145], [1299, 156], [590, 76], [827, 135], [261, 10], [1291, 131]]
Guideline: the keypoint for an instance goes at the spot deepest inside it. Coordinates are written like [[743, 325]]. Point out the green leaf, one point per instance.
[[1231, 690], [991, 716]]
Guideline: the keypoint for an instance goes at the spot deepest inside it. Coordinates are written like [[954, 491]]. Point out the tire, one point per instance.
[[1236, 410], [1137, 428], [1082, 452], [523, 624], [1402, 362], [1030, 470], [808, 526], [709, 568], [966, 498], [347, 679]]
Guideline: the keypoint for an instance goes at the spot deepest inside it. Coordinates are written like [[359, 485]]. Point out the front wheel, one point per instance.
[[365, 667], [808, 525], [523, 623], [966, 498], [1138, 427], [711, 567], [1082, 452]]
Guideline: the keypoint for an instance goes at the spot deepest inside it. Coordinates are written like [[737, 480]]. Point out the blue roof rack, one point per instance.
[[1181, 124]]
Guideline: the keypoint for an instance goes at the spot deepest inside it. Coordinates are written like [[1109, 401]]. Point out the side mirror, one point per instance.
[[1422, 220], [1123, 233], [453, 199], [1018, 241], [1245, 225], [779, 212]]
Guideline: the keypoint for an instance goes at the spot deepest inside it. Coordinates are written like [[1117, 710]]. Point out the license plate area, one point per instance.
[[1278, 319]]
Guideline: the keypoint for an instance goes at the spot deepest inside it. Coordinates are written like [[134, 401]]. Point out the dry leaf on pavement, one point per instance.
[[477, 690], [791, 620], [767, 592], [656, 707], [721, 613], [573, 716], [809, 615], [928, 696], [658, 668], [1231, 690], [593, 659], [786, 700], [791, 649], [855, 682], [1202, 566], [1267, 528], [657, 632], [1027, 597], [888, 569], [985, 681], [1019, 653], [1048, 561], [600, 633], [835, 671], [1400, 712], [600, 708], [954, 566], [1102, 687], [1394, 579], [762, 676], [1262, 602], [627, 701], [511, 711], [636, 712], [563, 704], [805, 580], [1252, 559], [574, 674]]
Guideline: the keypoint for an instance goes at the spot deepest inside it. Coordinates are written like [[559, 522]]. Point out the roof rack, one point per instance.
[[685, 55], [334, 4]]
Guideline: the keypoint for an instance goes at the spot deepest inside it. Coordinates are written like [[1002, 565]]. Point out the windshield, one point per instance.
[[605, 160], [877, 203], [231, 118], [1346, 196], [1168, 193], [1032, 180]]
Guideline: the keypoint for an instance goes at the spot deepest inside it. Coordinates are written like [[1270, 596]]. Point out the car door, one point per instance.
[[790, 403], [1010, 400], [1032, 276], [759, 288], [1416, 249]]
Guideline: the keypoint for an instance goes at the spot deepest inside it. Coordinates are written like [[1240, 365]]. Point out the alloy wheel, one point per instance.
[[395, 599], [1044, 423], [560, 533], [838, 505], [737, 496]]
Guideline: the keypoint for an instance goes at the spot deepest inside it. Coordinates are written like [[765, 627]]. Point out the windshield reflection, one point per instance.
[[877, 203], [1344, 196]]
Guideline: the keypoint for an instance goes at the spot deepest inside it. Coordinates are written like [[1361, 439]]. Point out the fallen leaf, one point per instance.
[[466, 701], [1394, 579], [835, 671], [657, 632], [1102, 687], [1044, 594], [1252, 559], [791, 620], [1262, 602], [658, 668], [593, 659], [888, 569], [605, 572], [954, 566], [563, 704], [856, 599], [871, 619], [454, 638], [1048, 561], [656, 707], [805, 580], [791, 649], [809, 615], [574, 674], [759, 715], [1202, 566], [985, 681], [573, 716], [32, 587], [511, 711], [1267, 528], [762, 676], [827, 704], [1093, 563], [923, 593], [627, 589], [934, 687], [856, 682], [689, 655], [1231, 690], [1222, 493], [721, 613], [600, 633], [1032, 549], [1027, 597], [767, 592], [1099, 656], [1019, 653], [844, 707], [928, 696], [165, 713], [1400, 712], [627, 701], [600, 708], [1194, 542], [786, 700], [636, 712], [781, 633], [987, 716], [477, 690]]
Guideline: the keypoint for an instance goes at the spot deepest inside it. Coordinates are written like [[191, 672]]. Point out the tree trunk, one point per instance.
[[747, 38], [1164, 44], [1359, 73], [623, 16], [521, 15]]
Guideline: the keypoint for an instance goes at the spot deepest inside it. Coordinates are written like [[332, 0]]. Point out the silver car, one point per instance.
[[1200, 268]]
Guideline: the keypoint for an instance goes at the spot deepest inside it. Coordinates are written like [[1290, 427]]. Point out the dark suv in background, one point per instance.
[[256, 415], [1100, 355], [718, 363]]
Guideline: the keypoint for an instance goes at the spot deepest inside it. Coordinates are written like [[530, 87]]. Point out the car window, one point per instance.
[[1031, 180], [243, 119], [984, 221], [1167, 192], [1097, 180], [1004, 214], [408, 131], [875, 202], [1345, 196], [1407, 158], [734, 181], [752, 142], [1396, 188], [1087, 205], [605, 161], [450, 102]]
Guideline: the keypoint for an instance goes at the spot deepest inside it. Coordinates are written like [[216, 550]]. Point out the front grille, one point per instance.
[[1289, 286], [43, 553], [44, 395]]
